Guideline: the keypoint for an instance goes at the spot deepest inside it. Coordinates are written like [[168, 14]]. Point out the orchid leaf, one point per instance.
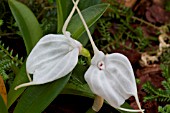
[[31, 33], [62, 13], [90, 14], [36, 98], [20, 78], [77, 85], [3, 108], [27, 23]]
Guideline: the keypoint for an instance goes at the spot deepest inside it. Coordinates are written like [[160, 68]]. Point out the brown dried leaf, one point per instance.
[[151, 73], [157, 14], [130, 3], [151, 107], [127, 3], [159, 2], [140, 8], [3, 92]]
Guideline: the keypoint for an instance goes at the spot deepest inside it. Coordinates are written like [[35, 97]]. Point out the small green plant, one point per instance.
[[9, 64], [167, 5], [165, 109], [161, 95], [1, 22], [115, 28]]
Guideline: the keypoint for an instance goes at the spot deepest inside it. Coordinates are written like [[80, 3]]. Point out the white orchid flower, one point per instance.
[[54, 56], [110, 77]]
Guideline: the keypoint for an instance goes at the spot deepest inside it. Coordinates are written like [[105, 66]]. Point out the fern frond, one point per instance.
[[6, 53], [165, 70], [3, 74], [149, 88], [150, 97], [165, 109], [157, 94], [9, 63], [166, 85], [104, 29], [5, 65], [166, 56]]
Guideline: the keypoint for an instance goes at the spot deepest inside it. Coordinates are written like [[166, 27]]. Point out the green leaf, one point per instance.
[[27, 22], [65, 6], [20, 78], [83, 38], [1, 22], [83, 4], [90, 14], [77, 84], [3, 108], [63, 9], [31, 33], [36, 98]]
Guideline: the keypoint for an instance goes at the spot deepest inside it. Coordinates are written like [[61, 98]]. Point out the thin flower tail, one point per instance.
[[138, 103], [95, 49], [131, 110], [28, 76], [24, 85], [69, 18]]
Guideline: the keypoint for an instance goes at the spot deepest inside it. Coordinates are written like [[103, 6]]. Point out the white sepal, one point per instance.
[[111, 77], [53, 57]]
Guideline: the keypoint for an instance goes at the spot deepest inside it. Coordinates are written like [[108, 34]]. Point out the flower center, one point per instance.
[[101, 65]]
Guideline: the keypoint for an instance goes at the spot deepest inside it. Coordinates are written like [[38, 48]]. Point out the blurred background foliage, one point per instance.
[[128, 29]]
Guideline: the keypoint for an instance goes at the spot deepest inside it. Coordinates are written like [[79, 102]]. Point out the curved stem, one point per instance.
[[95, 49], [69, 18], [90, 110], [98, 103], [131, 110], [145, 22], [24, 85], [28, 76], [138, 103]]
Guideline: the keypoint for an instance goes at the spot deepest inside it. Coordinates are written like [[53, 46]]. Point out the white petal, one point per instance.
[[53, 57], [119, 66], [116, 82]]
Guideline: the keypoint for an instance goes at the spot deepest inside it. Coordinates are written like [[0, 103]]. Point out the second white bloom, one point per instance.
[[111, 77], [53, 57]]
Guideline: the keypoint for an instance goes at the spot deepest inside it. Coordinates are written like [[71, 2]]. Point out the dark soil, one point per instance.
[[74, 104]]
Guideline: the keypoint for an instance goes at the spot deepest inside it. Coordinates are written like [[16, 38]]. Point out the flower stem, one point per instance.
[[98, 103], [145, 22], [95, 49], [90, 110], [69, 17]]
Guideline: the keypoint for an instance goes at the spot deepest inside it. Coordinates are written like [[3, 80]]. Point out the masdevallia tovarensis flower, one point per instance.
[[110, 77], [54, 56]]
